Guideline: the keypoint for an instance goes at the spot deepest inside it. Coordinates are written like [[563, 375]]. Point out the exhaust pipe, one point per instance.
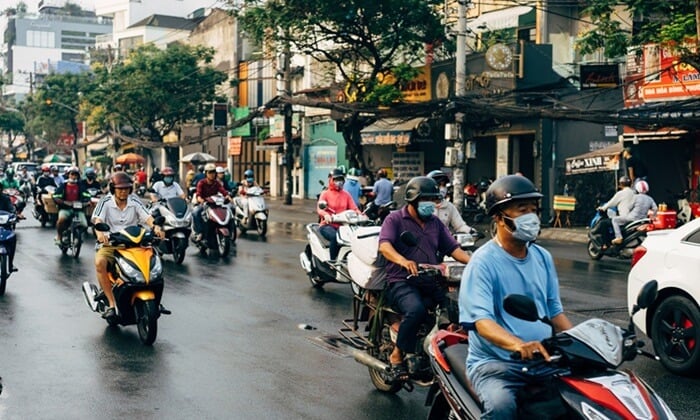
[[89, 293], [305, 262], [367, 360]]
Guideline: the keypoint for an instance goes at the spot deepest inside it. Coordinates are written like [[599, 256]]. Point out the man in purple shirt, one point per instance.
[[410, 294]]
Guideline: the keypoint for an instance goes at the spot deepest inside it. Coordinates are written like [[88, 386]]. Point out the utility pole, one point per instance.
[[458, 175], [288, 111]]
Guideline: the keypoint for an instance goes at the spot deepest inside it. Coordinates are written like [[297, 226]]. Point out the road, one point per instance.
[[237, 343]]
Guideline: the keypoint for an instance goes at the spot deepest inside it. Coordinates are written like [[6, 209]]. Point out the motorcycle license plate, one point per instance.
[[77, 205]]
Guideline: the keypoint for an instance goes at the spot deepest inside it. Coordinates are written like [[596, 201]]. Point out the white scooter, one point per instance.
[[315, 260], [251, 211], [177, 226]]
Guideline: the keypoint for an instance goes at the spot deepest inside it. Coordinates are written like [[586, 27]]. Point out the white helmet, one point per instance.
[[642, 187], [209, 167]]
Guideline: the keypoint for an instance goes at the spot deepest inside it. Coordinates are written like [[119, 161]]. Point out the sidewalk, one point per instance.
[[304, 211]]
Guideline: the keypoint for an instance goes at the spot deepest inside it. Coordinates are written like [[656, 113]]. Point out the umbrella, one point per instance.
[[54, 158], [129, 158], [198, 157]]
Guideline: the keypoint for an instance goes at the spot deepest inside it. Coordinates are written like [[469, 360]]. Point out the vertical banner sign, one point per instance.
[[234, 146]]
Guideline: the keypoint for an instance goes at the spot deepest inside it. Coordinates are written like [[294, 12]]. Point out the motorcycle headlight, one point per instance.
[[156, 267], [4, 219], [133, 273], [171, 220]]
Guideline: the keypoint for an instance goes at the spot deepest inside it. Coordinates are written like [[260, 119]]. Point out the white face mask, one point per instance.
[[527, 226]]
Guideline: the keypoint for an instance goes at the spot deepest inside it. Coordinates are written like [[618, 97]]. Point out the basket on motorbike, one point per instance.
[[49, 205]]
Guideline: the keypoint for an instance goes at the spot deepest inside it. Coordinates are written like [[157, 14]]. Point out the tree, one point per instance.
[[153, 91], [11, 124], [362, 39], [653, 22]]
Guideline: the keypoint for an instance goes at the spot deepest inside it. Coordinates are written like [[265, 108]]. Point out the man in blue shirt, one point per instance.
[[383, 189], [510, 263], [410, 294]]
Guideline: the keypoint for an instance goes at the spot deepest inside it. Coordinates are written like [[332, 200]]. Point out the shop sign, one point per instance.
[[407, 165], [600, 76]]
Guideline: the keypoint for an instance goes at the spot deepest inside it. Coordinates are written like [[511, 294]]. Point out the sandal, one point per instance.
[[398, 372]]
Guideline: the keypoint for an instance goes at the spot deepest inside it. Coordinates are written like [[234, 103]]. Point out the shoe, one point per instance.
[[398, 372], [411, 362], [21, 217], [110, 315], [57, 242], [616, 241], [14, 269]]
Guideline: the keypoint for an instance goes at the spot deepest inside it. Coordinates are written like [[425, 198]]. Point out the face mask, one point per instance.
[[443, 191], [425, 209], [527, 227], [339, 184], [168, 179]]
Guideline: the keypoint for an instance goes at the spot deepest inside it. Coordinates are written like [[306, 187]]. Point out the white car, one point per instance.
[[672, 322]]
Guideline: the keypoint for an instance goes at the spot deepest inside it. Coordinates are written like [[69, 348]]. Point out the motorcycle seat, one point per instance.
[[316, 229], [456, 356]]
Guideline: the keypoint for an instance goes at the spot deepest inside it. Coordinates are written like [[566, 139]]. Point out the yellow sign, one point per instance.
[[417, 90]]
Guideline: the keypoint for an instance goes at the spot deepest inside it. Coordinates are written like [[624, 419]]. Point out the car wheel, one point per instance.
[[675, 331]]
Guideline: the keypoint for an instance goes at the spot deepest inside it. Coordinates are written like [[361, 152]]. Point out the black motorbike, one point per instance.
[[8, 221], [376, 213], [600, 236]]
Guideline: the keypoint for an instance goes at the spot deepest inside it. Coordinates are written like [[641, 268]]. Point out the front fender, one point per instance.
[[223, 231], [143, 295], [260, 216]]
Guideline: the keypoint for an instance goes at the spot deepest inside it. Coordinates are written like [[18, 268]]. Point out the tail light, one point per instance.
[[637, 255]]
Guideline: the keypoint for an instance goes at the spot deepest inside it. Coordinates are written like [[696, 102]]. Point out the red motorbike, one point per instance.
[[219, 231], [589, 384]]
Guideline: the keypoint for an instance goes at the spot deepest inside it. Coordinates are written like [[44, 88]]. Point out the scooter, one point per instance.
[[8, 221], [72, 238], [600, 237], [376, 213], [251, 211], [45, 209], [177, 227], [316, 259], [137, 282], [219, 230], [590, 385], [95, 196]]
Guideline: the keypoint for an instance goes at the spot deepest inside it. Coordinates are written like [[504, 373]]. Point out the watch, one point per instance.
[[499, 57]]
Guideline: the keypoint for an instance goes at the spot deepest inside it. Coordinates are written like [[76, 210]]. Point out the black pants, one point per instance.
[[413, 298], [329, 232]]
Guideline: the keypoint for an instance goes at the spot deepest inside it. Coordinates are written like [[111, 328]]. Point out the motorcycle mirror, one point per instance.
[[159, 221], [647, 296], [408, 238], [102, 227], [322, 205], [522, 307], [320, 181]]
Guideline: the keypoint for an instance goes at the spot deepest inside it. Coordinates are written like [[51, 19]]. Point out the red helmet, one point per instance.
[[45, 168], [167, 171]]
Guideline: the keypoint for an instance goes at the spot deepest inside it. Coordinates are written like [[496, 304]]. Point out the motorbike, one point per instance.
[[376, 213], [589, 385], [316, 260], [25, 188], [177, 227], [373, 328], [137, 282], [600, 236], [72, 238], [95, 196], [45, 209], [251, 211], [219, 231], [8, 221], [685, 209], [141, 190]]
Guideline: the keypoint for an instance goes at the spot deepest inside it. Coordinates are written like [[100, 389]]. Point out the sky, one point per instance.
[[32, 4]]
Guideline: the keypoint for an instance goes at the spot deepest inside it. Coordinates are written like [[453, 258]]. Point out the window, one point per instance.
[[43, 39], [693, 237]]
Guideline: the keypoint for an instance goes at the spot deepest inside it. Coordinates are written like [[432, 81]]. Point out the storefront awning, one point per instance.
[[389, 131], [605, 159], [511, 17], [630, 134]]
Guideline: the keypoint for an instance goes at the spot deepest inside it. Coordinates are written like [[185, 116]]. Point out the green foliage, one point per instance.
[[655, 21], [361, 38], [11, 122]]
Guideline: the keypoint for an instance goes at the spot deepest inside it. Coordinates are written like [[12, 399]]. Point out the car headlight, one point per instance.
[[4, 219], [156, 267], [131, 272]]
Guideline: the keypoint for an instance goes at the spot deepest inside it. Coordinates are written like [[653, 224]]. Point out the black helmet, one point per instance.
[[625, 180], [507, 189], [90, 173], [422, 187], [439, 176], [337, 173]]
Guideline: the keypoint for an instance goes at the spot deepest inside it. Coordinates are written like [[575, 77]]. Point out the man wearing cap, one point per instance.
[[206, 188]]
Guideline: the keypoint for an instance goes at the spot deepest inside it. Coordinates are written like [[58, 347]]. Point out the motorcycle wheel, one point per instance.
[[4, 273], [594, 251], [146, 320], [224, 245], [381, 351], [76, 242], [262, 227], [675, 333], [179, 250]]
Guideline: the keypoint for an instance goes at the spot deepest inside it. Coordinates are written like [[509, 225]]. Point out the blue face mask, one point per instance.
[[168, 180], [250, 180], [527, 227], [425, 209]]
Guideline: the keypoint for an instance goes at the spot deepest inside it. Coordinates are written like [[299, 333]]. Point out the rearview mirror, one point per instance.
[[322, 205], [159, 221], [522, 307], [102, 227]]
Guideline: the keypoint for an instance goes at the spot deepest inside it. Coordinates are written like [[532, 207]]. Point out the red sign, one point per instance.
[[234, 146]]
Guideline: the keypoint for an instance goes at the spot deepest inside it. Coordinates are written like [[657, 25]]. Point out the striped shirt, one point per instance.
[[134, 213]]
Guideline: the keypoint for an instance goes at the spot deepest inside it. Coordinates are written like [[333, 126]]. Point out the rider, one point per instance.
[[118, 210], [90, 180], [248, 181], [141, 177], [337, 200], [511, 263], [167, 187], [9, 181], [383, 189], [641, 206], [68, 192], [57, 178], [352, 186], [206, 188], [45, 180], [410, 294], [156, 176], [221, 177], [445, 210], [623, 200], [11, 244], [198, 176]]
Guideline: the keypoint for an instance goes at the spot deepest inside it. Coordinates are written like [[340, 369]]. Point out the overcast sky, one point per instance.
[[86, 4]]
